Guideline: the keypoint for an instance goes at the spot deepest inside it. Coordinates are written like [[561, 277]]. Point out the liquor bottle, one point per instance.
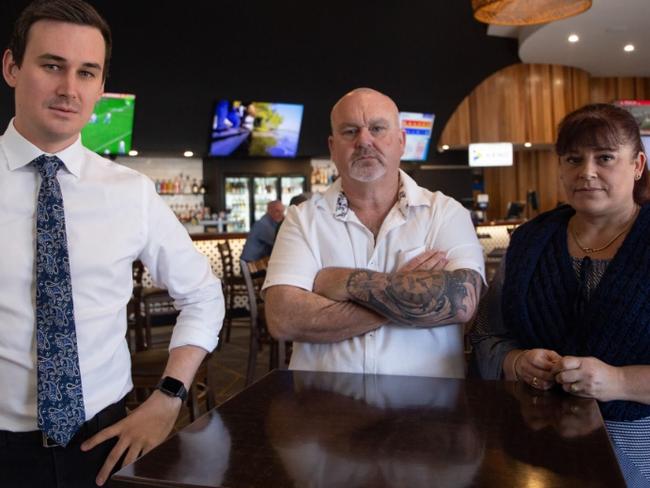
[[195, 187]]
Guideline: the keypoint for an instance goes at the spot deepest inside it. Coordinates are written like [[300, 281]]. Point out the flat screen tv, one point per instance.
[[491, 154], [646, 144], [110, 129], [640, 109], [241, 128], [417, 127]]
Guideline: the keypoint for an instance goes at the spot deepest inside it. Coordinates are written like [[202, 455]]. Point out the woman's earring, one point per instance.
[[637, 177]]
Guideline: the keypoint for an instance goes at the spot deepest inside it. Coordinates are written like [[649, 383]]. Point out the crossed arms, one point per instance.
[[348, 302]]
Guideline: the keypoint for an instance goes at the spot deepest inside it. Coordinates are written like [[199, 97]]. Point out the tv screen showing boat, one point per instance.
[[241, 128]]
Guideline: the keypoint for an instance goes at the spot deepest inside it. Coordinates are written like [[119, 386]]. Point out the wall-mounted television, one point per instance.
[[646, 144], [417, 127], [491, 154], [640, 109], [110, 129], [241, 128]]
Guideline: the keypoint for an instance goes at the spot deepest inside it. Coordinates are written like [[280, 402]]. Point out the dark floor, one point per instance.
[[226, 367], [227, 371]]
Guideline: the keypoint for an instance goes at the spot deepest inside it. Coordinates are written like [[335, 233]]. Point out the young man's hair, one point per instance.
[[71, 11]]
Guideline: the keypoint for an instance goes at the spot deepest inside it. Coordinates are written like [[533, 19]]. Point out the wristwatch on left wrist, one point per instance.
[[172, 387]]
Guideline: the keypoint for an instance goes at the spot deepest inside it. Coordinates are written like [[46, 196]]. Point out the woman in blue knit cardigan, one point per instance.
[[570, 305]]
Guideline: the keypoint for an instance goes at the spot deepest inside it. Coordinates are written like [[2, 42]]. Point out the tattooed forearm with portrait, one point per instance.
[[418, 298]]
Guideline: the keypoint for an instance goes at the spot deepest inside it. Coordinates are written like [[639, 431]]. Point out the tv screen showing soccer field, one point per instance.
[[417, 127], [110, 129], [242, 128]]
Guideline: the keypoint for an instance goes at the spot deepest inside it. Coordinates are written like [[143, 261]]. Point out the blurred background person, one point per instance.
[[262, 236]]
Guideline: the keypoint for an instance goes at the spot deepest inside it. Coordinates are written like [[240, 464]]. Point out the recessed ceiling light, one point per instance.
[[628, 48], [445, 147], [573, 38], [527, 144], [188, 154], [133, 152]]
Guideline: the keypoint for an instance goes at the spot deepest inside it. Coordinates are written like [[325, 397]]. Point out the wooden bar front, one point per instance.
[[302, 429]]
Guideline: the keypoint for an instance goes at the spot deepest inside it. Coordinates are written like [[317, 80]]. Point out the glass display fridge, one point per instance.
[[266, 190], [238, 203], [291, 186], [246, 197]]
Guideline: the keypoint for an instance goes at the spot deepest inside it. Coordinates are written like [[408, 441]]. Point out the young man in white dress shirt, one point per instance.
[[377, 275], [57, 63]]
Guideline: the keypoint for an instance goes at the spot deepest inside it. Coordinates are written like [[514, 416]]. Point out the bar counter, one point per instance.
[[302, 429]]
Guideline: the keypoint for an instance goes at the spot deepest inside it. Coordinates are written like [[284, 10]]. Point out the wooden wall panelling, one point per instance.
[[605, 90], [457, 129], [532, 170]]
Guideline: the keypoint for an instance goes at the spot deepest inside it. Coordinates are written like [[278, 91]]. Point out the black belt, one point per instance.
[[103, 419]]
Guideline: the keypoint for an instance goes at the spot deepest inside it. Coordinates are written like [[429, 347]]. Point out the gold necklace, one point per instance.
[[591, 250]]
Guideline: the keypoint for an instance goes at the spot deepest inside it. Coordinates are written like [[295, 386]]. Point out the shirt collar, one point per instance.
[[408, 195], [20, 152]]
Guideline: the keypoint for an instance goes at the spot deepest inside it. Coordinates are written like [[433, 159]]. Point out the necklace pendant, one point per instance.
[[588, 250]]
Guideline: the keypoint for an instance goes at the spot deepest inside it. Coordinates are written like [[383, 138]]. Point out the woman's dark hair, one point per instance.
[[602, 125], [71, 11]]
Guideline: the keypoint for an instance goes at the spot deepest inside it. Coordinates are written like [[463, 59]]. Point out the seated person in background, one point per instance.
[[262, 236], [356, 277], [571, 303]]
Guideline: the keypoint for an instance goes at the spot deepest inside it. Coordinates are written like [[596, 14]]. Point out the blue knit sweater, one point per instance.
[[541, 289]]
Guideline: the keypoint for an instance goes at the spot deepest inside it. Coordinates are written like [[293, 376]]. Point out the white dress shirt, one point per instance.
[[113, 217], [325, 232]]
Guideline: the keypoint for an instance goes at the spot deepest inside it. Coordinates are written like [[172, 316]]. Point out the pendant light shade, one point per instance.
[[526, 12]]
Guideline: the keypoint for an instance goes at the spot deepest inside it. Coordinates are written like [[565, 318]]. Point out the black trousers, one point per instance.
[[24, 462]]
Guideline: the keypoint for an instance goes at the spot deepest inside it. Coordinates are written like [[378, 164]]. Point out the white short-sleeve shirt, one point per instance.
[[325, 232]]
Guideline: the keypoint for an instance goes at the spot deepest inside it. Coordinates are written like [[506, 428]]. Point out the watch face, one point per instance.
[[172, 387]]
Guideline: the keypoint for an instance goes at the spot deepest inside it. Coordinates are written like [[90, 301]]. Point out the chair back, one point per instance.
[[225, 253], [254, 275]]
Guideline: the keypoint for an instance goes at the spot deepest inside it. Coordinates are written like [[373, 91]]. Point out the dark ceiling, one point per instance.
[[178, 57]]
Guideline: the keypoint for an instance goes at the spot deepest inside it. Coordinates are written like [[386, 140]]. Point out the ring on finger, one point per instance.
[[535, 381], [574, 387]]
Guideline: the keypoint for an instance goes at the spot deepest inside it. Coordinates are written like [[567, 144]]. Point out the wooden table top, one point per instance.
[[303, 429]]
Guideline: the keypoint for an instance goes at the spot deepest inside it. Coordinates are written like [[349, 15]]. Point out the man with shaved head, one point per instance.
[[377, 275]]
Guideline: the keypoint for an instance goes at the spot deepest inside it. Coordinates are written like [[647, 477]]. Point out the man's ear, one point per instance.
[[9, 68]]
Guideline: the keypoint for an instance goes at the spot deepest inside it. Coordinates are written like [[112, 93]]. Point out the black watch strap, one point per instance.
[[172, 387]]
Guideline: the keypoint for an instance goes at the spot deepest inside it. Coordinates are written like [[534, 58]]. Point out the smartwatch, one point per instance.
[[172, 387]]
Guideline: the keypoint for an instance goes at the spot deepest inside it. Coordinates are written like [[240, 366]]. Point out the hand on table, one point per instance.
[[588, 377], [535, 367], [138, 433]]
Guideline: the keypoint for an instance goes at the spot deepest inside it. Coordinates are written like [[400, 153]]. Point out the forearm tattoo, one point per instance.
[[417, 298]]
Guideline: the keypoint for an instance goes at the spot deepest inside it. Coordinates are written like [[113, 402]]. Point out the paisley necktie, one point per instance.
[[60, 400]]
